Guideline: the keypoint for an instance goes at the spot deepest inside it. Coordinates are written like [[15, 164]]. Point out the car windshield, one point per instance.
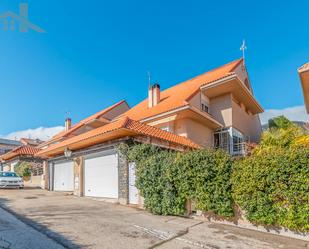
[[8, 174]]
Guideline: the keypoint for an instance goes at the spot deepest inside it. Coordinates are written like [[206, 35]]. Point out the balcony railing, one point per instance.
[[239, 149]]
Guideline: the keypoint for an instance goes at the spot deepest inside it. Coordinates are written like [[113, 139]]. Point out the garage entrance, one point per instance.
[[101, 175], [63, 176]]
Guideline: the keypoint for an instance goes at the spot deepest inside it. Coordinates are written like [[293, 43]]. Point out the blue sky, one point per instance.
[[98, 52]]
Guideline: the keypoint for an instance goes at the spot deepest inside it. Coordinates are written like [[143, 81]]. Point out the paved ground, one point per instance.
[[77, 222], [16, 234]]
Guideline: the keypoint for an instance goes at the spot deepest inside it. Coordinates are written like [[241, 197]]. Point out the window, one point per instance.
[[205, 108], [8, 174], [222, 140], [165, 128], [238, 142]]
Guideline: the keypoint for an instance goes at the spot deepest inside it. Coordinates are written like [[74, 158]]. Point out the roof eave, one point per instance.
[[228, 79], [186, 106]]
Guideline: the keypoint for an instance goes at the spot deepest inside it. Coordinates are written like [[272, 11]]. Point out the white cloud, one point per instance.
[[43, 133], [296, 113]]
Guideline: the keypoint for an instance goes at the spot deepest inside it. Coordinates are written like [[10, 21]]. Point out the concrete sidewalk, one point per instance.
[[76, 222]]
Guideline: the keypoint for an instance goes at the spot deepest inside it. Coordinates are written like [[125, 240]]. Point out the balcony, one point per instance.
[[232, 141]]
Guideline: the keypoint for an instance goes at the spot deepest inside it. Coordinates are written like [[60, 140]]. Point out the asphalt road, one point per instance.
[[15, 234], [55, 219]]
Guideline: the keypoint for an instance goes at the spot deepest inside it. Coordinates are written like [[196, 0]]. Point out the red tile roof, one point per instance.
[[171, 99], [29, 141], [304, 67], [131, 128], [19, 151], [81, 123], [179, 95], [84, 121]]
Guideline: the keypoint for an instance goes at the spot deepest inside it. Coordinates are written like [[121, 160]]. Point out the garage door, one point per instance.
[[101, 176], [64, 176]]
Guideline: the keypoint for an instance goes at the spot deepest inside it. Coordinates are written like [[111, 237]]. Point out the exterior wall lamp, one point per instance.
[[67, 153]]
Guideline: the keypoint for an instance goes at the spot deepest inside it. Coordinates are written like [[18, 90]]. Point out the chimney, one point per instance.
[[67, 124], [153, 95], [156, 94]]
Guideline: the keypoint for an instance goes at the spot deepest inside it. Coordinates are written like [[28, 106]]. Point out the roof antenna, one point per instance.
[[149, 79], [243, 48], [67, 114]]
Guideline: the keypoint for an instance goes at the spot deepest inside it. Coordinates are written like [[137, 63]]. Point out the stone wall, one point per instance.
[[123, 180], [78, 176]]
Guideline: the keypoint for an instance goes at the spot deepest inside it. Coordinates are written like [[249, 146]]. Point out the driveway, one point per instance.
[[75, 222], [16, 234]]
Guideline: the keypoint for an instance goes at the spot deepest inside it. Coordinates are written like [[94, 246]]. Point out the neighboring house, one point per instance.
[[25, 153], [215, 109], [31, 142], [303, 72], [7, 145]]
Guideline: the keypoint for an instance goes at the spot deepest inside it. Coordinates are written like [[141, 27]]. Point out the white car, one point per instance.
[[10, 180]]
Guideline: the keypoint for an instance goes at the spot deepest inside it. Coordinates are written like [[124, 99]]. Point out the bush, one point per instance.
[[272, 187], [23, 169], [168, 179], [204, 177], [152, 170], [282, 132]]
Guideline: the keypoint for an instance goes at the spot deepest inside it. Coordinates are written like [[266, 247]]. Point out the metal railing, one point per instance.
[[240, 149]]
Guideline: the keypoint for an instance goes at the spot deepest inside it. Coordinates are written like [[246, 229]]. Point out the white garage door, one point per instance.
[[64, 176], [101, 176]]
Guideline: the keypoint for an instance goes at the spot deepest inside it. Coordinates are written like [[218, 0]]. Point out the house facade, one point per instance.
[[25, 152], [303, 72], [7, 145], [215, 109]]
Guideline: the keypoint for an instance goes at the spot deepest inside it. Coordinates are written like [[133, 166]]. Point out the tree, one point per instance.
[[282, 132], [280, 122], [23, 169]]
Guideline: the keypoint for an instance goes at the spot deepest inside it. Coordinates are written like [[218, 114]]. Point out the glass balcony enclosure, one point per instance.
[[230, 140]]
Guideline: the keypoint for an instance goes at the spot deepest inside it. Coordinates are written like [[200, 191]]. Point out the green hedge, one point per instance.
[[272, 187], [203, 176], [168, 179]]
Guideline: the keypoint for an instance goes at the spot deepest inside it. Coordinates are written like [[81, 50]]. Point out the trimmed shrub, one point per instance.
[[204, 177], [152, 169], [167, 179], [272, 187]]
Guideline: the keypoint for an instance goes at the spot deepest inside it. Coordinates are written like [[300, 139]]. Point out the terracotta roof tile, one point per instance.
[[158, 133], [63, 134], [179, 95], [21, 150], [84, 121], [125, 123], [29, 141]]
